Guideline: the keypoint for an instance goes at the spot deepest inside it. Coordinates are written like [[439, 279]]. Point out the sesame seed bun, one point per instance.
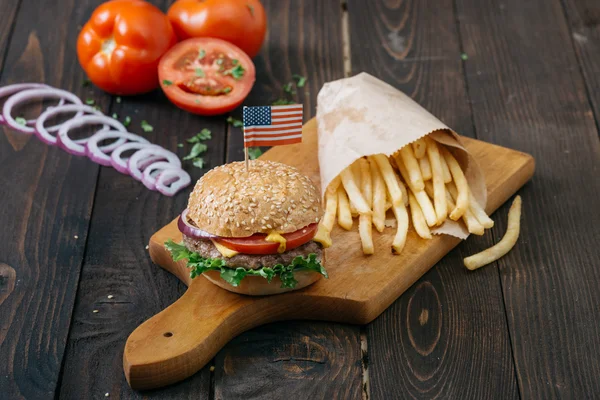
[[258, 286], [230, 201]]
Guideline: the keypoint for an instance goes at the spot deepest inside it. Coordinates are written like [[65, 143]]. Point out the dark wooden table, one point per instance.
[[76, 280]]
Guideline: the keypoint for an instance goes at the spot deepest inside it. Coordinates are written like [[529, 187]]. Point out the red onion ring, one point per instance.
[[77, 149], [133, 163], [31, 94], [190, 230], [44, 134], [119, 163], [17, 87], [95, 153], [164, 179], [152, 171]]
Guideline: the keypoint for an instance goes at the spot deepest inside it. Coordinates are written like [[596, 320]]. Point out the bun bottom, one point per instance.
[[258, 286]]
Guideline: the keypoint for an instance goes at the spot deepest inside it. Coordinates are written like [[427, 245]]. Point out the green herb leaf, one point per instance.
[[283, 102], [237, 72], [167, 82], [288, 88], [204, 134], [254, 152], [179, 144], [90, 102], [197, 149], [197, 101], [199, 72], [235, 61], [198, 162], [198, 265], [201, 54], [115, 116], [251, 8], [127, 121], [300, 80], [21, 121], [118, 99], [146, 127], [236, 123], [464, 56], [227, 90]]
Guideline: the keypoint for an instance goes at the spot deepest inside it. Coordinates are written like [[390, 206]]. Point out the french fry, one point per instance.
[[354, 194], [472, 223], [331, 202], [365, 223], [402, 189], [402, 229], [389, 177], [462, 199], [379, 197], [412, 167], [323, 236], [356, 173], [446, 171], [344, 215], [480, 213], [504, 245], [425, 168], [417, 218], [419, 148], [388, 205], [439, 189], [421, 196]]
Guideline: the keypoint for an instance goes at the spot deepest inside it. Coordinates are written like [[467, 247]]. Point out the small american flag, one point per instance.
[[272, 125]]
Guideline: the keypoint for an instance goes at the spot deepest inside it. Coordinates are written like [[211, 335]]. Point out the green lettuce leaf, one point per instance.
[[198, 265]]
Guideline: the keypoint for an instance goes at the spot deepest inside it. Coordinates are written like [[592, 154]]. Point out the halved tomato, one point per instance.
[[256, 244], [206, 76]]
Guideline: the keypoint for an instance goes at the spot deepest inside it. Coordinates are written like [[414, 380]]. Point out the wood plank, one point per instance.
[[8, 10], [304, 38], [528, 93], [117, 264], [44, 213], [423, 346], [583, 17]]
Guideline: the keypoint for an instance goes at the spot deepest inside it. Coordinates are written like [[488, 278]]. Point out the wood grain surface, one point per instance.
[[45, 210], [527, 93], [183, 338], [417, 349]]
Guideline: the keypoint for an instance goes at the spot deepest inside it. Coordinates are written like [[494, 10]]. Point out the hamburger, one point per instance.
[[252, 231]]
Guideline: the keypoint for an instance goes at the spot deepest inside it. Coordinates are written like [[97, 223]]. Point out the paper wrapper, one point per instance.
[[363, 115]]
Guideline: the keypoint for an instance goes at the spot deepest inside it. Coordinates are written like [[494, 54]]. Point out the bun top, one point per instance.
[[231, 201]]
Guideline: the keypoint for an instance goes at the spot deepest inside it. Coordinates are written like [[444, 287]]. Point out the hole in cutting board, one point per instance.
[[168, 334]]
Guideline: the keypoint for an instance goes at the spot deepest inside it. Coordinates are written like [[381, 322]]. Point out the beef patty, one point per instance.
[[208, 250]]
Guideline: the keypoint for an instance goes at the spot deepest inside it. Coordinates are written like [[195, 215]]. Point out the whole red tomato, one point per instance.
[[241, 22], [120, 46]]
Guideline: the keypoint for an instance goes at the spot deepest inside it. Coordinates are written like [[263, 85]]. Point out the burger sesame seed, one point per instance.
[[269, 226]]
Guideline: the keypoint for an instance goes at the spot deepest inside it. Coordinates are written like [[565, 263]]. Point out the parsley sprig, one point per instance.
[[198, 147]]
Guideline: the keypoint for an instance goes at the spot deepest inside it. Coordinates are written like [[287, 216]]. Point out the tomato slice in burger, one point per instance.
[[206, 76], [256, 244]]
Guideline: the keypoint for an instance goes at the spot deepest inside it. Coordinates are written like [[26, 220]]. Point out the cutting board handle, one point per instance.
[[180, 340]]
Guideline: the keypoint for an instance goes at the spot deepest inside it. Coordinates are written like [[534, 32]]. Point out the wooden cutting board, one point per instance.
[[180, 340]]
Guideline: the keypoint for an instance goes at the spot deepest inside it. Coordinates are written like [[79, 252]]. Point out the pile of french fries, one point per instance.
[[422, 183]]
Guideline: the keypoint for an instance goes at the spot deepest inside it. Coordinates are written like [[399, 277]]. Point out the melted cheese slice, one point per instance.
[[277, 238], [225, 252]]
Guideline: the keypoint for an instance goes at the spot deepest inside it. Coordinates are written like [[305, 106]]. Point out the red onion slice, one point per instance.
[[119, 163], [33, 94], [95, 153], [17, 87], [152, 171], [166, 186], [133, 163], [190, 230], [78, 149], [44, 133]]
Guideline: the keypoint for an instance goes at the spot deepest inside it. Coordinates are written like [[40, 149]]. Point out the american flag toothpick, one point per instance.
[[272, 126]]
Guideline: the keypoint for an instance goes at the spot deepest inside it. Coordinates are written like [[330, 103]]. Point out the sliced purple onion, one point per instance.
[[119, 163], [190, 230], [133, 163], [168, 187], [33, 94], [152, 171], [145, 162], [17, 87], [96, 153], [71, 146], [44, 134]]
